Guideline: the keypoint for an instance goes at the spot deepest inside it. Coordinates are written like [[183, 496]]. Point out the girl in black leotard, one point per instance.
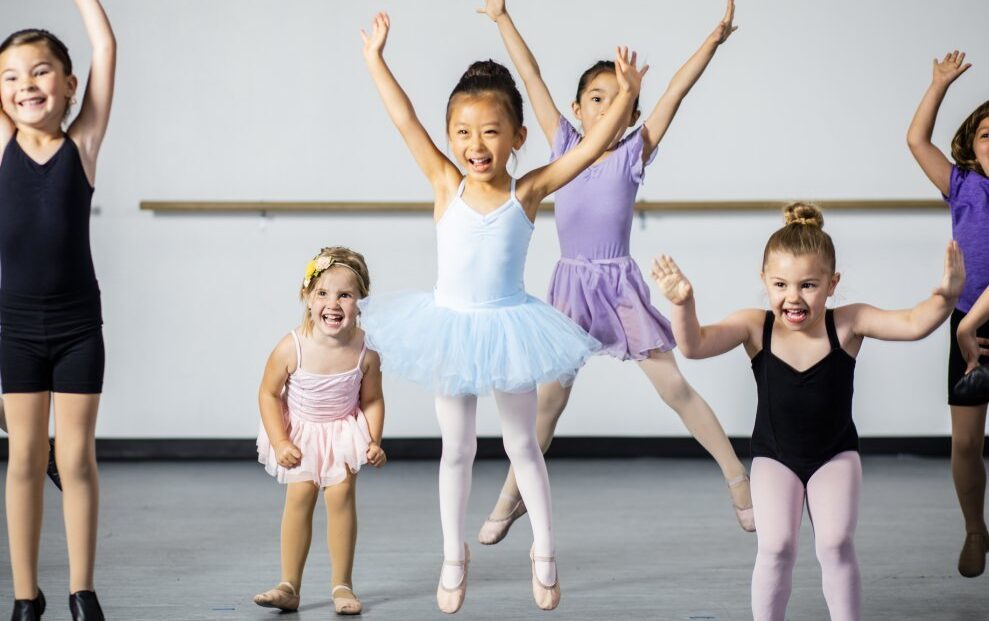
[[804, 443], [51, 342]]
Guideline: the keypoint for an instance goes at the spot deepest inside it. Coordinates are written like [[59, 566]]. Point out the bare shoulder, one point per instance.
[[284, 354]]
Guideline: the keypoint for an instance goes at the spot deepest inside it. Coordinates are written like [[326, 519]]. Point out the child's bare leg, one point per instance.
[[341, 529], [553, 398], [968, 469], [75, 428], [27, 419], [662, 370]]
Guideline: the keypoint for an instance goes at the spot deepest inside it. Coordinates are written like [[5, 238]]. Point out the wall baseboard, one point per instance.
[[113, 449]]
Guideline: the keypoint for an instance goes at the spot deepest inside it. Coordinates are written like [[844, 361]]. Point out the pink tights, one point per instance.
[[832, 495]]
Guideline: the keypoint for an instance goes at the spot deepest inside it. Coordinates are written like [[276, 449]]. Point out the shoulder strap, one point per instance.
[[360, 359], [460, 188], [767, 331], [832, 331], [512, 191], [298, 351]]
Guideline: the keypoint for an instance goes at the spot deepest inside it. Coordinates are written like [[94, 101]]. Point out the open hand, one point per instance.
[[374, 43], [287, 454], [376, 455], [628, 75], [954, 273], [671, 280], [493, 9], [725, 28], [947, 70]]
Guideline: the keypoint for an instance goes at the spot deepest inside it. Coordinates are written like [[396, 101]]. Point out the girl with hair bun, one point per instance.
[[479, 332], [804, 443], [965, 187], [596, 282]]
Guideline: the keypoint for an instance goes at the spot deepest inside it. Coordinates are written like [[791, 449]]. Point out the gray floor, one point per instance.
[[637, 539]]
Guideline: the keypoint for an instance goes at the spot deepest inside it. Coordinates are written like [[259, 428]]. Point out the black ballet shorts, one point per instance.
[[956, 362], [51, 343]]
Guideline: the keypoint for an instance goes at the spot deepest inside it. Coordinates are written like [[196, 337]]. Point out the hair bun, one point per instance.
[[803, 213], [488, 69]]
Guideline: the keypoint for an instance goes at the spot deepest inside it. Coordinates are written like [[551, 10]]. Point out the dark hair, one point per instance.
[[601, 66], [961, 145], [37, 35], [802, 234], [487, 76]]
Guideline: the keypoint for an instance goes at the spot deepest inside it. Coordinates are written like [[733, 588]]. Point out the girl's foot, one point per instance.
[[452, 589], [545, 590], [741, 500], [29, 609], [344, 600], [284, 597], [85, 607], [972, 560], [505, 513]]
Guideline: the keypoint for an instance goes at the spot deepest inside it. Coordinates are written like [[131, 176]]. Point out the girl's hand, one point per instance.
[[376, 455], [948, 70], [954, 273], [725, 28], [628, 75], [287, 454], [493, 9], [671, 280], [972, 346], [374, 44]]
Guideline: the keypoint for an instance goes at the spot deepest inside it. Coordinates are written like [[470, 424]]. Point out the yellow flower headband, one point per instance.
[[324, 262]]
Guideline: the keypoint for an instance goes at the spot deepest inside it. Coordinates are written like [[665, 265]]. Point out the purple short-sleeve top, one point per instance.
[[968, 197]]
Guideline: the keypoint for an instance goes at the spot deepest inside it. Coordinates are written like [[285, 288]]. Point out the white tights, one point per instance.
[[457, 418]]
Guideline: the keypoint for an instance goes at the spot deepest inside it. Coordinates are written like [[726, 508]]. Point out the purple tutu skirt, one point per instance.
[[610, 300]]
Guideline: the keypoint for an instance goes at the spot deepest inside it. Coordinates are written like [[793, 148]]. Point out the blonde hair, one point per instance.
[[337, 256], [802, 234], [961, 144]]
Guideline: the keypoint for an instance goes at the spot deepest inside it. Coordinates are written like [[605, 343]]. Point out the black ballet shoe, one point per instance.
[[974, 386], [85, 607], [29, 609], [52, 468]]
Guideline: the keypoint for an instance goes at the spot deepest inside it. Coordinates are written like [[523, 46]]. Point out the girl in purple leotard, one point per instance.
[[596, 283]]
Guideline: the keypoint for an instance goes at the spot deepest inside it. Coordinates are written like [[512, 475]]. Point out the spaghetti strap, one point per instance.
[[512, 196], [460, 188], [298, 351], [767, 332], [360, 359], [832, 331]]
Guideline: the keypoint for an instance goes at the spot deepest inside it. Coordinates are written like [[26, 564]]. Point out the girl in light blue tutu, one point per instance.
[[479, 332]]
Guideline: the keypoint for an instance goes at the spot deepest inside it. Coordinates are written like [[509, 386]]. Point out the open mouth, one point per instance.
[[479, 164], [795, 315], [332, 319], [32, 102]]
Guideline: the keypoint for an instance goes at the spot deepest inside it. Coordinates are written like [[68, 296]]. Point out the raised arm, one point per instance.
[[90, 125], [914, 323], [525, 63], [694, 340], [971, 344], [932, 161], [683, 80], [280, 364], [439, 170], [373, 406], [539, 183]]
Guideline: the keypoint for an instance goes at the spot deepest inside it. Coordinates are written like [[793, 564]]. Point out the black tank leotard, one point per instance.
[[804, 418]]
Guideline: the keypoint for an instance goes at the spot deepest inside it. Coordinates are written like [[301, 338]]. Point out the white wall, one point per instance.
[[269, 100]]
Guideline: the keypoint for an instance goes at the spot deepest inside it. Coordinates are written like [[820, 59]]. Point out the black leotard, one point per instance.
[[804, 418], [44, 223]]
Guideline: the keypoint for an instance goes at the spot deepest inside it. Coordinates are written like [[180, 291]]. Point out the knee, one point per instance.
[[28, 467], [459, 454], [76, 465], [835, 550], [521, 448], [967, 446], [779, 552], [675, 391]]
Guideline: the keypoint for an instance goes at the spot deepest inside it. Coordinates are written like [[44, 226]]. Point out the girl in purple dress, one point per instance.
[[596, 283], [966, 189]]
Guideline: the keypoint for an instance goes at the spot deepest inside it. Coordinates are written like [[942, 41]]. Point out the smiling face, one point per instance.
[[34, 88], [798, 287], [333, 302], [980, 145], [482, 135], [596, 99]]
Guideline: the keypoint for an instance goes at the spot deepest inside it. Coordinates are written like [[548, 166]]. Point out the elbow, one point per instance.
[[688, 350]]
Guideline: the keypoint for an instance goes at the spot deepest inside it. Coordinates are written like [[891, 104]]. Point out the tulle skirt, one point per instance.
[[472, 352], [329, 449], [610, 300]]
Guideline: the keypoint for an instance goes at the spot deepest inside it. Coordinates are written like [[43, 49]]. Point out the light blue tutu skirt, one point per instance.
[[472, 352]]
